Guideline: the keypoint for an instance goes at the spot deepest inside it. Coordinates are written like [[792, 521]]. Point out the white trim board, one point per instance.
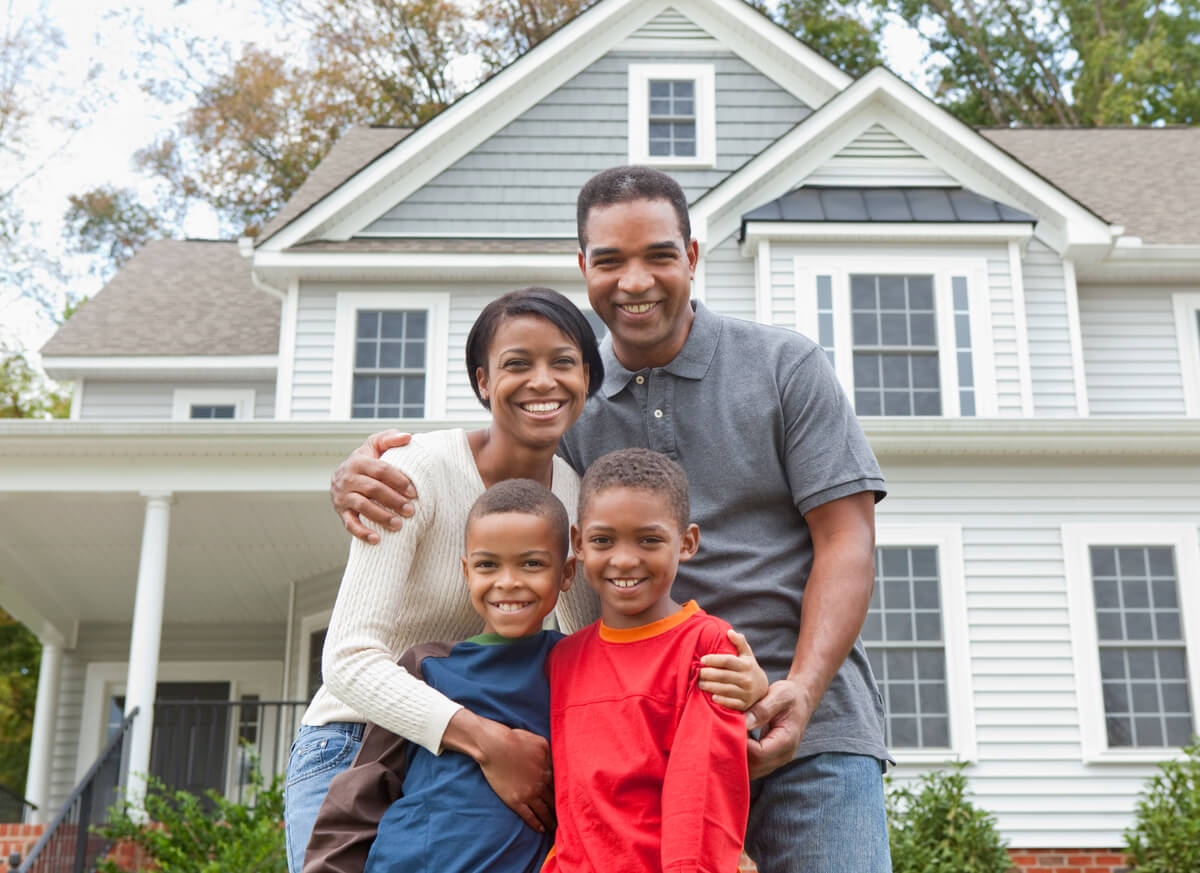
[[308, 625], [1186, 306], [703, 76], [1077, 538]]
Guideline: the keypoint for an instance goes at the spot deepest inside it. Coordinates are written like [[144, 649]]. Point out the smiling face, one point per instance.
[[515, 568], [630, 546], [535, 380], [639, 275]]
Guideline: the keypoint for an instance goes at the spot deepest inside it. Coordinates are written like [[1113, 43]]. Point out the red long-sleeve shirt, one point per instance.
[[649, 774]]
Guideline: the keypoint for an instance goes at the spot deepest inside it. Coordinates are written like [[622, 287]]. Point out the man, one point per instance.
[[783, 486]]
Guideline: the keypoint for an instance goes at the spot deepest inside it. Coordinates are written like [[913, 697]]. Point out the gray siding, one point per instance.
[[524, 179], [1049, 332], [312, 371], [1130, 351], [149, 401], [729, 280]]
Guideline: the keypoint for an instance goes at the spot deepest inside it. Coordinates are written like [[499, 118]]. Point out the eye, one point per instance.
[[515, 364], [599, 540], [535, 563], [565, 362], [484, 564]]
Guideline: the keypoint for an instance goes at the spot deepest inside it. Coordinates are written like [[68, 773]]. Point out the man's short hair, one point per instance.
[[641, 469], [527, 497], [624, 185]]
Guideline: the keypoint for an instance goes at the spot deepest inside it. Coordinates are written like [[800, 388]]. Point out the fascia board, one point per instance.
[[853, 231], [443, 266], [880, 97], [247, 366], [473, 118], [1153, 264]]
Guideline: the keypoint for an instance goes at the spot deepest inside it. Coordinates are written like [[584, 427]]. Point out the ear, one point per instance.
[[582, 262], [481, 379], [693, 256], [587, 374], [576, 539], [466, 576], [689, 542], [568, 573]]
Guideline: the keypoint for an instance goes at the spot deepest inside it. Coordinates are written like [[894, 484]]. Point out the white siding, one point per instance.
[[1130, 351], [1049, 332], [312, 375], [1004, 334], [668, 24], [153, 400], [66, 732], [1029, 771], [729, 280], [878, 157]]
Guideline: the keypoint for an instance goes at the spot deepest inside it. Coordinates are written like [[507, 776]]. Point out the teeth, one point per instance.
[[637, 308], [546, 406], [625, 583], [510, 606]]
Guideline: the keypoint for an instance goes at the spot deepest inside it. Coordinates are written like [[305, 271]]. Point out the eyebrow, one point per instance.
[[521, 350], [484, 553], [600, 252]]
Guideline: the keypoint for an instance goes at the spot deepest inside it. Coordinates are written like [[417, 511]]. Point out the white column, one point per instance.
[[45, 714], [142, 678]]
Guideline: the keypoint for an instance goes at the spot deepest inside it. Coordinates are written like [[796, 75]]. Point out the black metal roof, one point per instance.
[[827, 203]]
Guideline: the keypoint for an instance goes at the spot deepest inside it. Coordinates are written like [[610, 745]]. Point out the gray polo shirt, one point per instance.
[[756, 417]]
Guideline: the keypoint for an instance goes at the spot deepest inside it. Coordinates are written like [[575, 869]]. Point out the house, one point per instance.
[[1015, 314]]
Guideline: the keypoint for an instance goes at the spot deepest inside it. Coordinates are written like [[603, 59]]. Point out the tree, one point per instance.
[[20, 655], [111, 222], [513, 27], [24, 393], [841, 31]]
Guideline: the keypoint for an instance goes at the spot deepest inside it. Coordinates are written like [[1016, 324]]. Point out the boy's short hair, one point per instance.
[[638, 468], [527, 497], [624, 185]]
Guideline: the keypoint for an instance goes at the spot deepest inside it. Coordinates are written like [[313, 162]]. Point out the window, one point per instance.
[[671, 115], [389, 364], [316, 649], [906, 336], [390, 352], [213, 403], [1187, 330], [914, 635], [1132, 615]]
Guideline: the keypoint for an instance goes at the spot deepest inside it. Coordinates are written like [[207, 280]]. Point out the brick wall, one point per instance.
[[17, 838], [1068, 860]]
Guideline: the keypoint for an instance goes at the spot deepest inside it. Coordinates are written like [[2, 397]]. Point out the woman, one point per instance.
[[532, 360]]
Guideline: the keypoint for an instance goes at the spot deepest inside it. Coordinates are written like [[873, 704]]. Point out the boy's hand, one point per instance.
[[363, 485], [785, 711], [735, 681]]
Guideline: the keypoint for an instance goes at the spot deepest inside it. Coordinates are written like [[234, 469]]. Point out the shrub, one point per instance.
[[190, 833], [934, 828], [1165, 837]]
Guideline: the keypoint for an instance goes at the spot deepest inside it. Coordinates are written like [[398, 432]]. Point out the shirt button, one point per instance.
[[641, 380], [658, 413]]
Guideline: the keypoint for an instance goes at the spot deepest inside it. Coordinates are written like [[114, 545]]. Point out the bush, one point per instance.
[[934, 828], [1165, 838], [209, 834]]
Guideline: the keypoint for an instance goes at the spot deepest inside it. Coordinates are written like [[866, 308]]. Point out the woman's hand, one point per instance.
[[516, 764], [734, 681], [363, 485]]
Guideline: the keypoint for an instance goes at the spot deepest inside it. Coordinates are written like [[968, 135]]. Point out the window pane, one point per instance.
[[927, 403], [1104, 562], [414, 355], [862, 292], [660, 88], [685, 88], [897, 403], [929, 626], [867, 403], [685, 148], [368, 324], [364, 354], [935, 732], [865, 329], [391, 355], [923, 333], [893, 329], [931, 663], [925, 371], [1120, 731], [920, 292], [1179, 731], [391, 325]]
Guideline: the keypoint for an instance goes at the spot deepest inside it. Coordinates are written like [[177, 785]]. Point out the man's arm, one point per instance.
[[835, 604], [365, 486]]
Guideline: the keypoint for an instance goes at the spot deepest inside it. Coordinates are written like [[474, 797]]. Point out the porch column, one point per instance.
[[45, 715], [145, 638]]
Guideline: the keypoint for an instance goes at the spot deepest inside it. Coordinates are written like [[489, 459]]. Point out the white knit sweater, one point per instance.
[[409, 589]]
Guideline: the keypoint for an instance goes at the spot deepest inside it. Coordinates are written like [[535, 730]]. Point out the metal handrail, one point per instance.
[[77, 811]]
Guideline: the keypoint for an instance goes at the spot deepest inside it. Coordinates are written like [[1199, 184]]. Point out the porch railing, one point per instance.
[[68, 845], [14, 808]]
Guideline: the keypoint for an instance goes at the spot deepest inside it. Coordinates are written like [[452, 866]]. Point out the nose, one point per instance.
[[623, 558], [541, 377], [635, 278]]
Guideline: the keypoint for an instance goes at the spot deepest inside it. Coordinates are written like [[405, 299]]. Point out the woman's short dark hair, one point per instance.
[[544, 303]]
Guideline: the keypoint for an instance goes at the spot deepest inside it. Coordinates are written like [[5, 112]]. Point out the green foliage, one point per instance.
[[210, 834], [1165, 838], [110, 222], [837, 29], [934, 828], [20, 656], [25, 393]]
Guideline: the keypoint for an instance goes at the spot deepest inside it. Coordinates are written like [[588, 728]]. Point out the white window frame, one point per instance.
[[106, 679], [1187, 305], [241, 399], [943, 269], [640, 76], [437, 307], [309, 625], [1085, 646], [947, 539]]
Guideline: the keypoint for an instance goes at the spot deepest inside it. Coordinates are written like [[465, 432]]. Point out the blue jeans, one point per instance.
[[318, 754], [823, 814]]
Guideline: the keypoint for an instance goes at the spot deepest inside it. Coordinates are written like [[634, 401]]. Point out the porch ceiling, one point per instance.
[[231, 556]]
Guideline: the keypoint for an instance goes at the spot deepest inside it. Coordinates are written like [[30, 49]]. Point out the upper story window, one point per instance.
[[389, 364], [213, 403], [1134, 620], [390, 355], [903, 341], [672, 115], [198, 410]]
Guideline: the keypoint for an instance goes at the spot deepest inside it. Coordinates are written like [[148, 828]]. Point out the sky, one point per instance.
[[101, 36]]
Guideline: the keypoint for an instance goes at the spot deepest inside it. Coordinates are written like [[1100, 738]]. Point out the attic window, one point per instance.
[[672, 115]]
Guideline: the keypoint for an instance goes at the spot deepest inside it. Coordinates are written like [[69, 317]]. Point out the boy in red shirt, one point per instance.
[[649, 773]]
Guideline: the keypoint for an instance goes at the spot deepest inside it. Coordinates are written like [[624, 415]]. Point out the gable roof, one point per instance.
[[174, 298], [355, 150], [1145, 178]]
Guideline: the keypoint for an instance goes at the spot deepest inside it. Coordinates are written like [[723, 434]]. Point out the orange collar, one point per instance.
[[647, 631]]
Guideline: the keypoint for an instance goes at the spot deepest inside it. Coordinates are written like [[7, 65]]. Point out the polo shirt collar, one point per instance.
[[693, 359]]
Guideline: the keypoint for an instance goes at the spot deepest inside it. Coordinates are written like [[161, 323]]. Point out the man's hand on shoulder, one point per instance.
[[783, 715], [363, 486]]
